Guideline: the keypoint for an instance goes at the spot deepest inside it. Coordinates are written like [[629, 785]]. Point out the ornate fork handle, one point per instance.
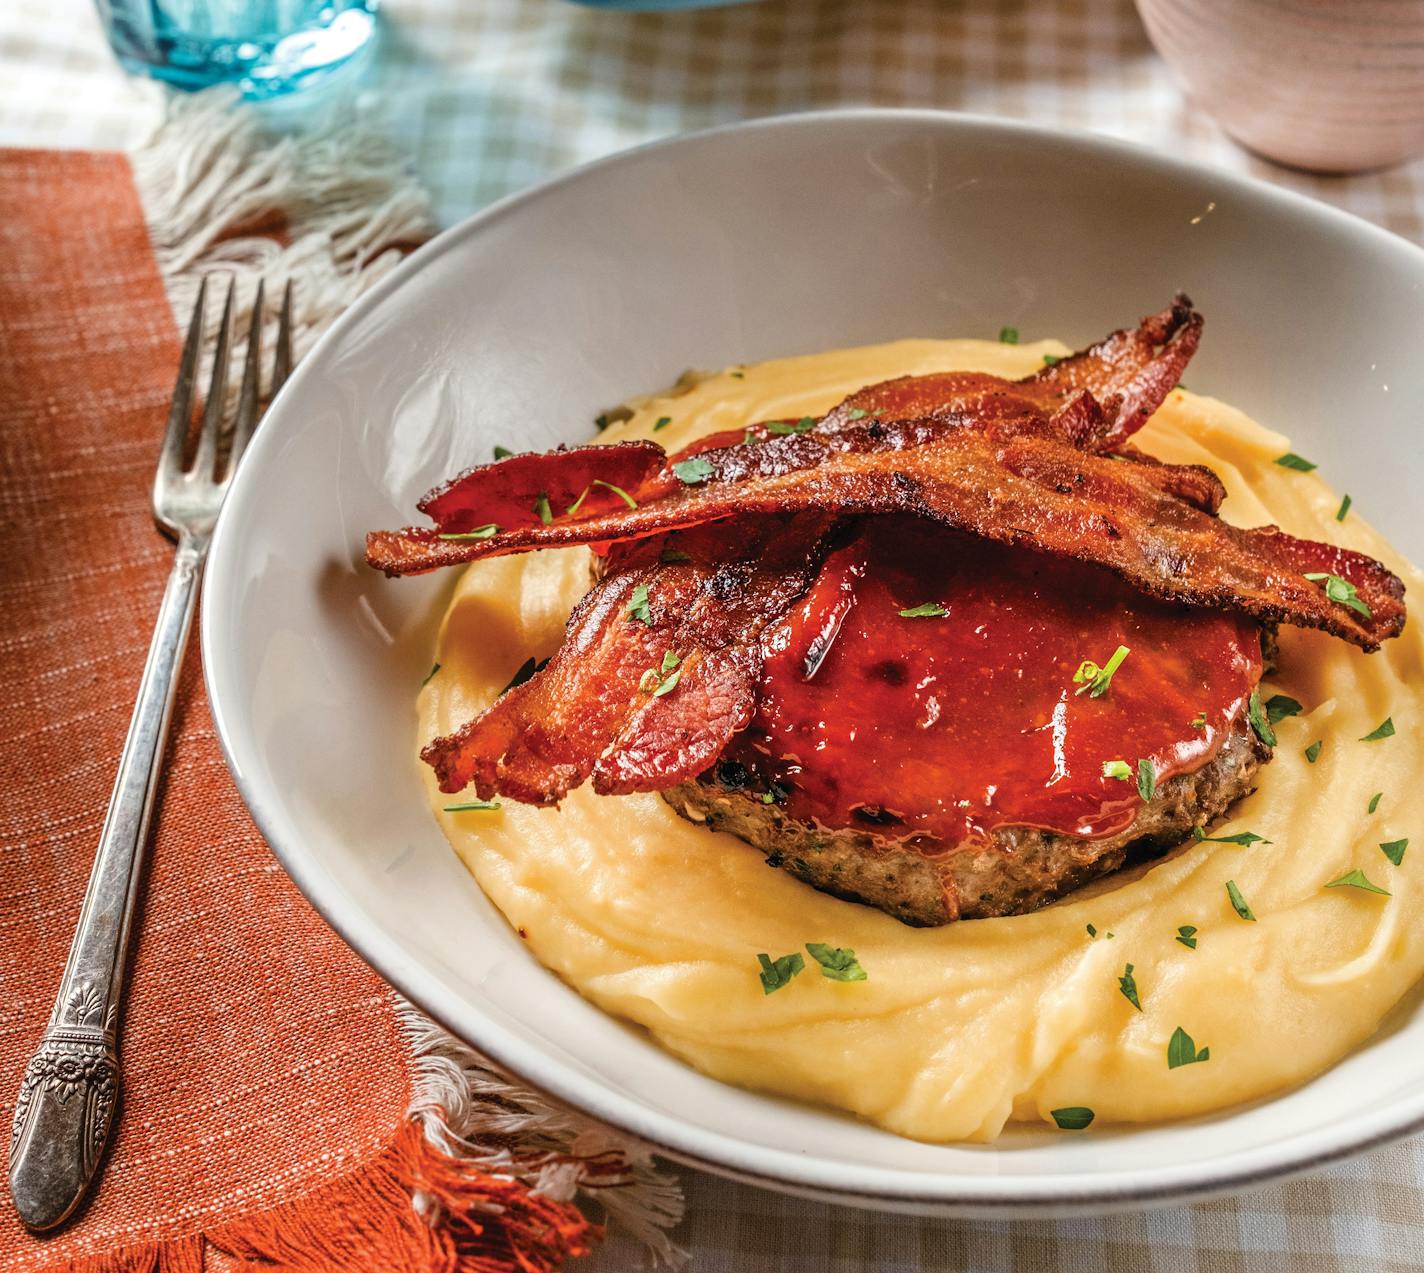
[[67, 1098]]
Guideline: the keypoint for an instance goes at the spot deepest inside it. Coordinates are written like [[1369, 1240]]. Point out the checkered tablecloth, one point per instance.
[[492, 95]]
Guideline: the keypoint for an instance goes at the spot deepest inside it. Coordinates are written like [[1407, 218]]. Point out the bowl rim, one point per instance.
[[776, 1168]]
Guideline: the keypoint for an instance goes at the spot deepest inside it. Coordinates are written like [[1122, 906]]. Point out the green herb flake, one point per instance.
[[1071, 1118], [1290, 460], [1374, 801], [671, 556], [1009, 336], [502, 453], [1357, 879], [1182, 1050], [470, 805], [1279, 706], [1243, 838], [429, 676], [1128, 985], [1312, 753], [541, 507], [1187, 935], [480, 532], [837, 964], [859, 413], [804, 425], [1119, 769], [1344, 508], [1341, 592], [1256, 714], [1093, 680], [776, 973], [662, 422], [1146, 778], [1199, 721], [1394, 850], [1092, 931], [618, 491], [658, 681], [693, 471], [1050, 359], [1238, 903], [928, 610], [639, 610], [1385, 729], [572, 509]]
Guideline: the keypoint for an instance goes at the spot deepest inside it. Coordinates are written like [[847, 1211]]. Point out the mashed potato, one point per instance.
[[958, 1030]]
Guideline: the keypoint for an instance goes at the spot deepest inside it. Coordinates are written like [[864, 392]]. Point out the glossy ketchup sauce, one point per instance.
[[939, 729]]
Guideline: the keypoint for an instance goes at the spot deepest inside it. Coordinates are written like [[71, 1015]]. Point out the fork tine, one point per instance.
[[217, 391], [180, 410], [282, 364], [247, 396]]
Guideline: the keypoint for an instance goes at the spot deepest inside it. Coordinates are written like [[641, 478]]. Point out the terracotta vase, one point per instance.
[[1328, 85]]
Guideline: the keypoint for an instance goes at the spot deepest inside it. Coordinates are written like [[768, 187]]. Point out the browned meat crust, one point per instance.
[[1019, 870]]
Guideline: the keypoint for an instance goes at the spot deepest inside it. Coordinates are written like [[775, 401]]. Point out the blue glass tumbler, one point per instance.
[[268, 47]]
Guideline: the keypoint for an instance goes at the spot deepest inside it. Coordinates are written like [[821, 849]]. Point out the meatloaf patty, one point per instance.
[[1018, 869]]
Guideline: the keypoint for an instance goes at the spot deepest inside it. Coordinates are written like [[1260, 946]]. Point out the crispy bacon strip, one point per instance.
[[1095, 399], [1036, 492], [592, 710], [508, 492]]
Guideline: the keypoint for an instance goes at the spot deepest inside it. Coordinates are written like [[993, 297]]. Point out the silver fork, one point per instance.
[[65, 1108]]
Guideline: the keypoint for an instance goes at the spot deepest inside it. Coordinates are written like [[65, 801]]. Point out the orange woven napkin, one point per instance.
[[266, 1077]]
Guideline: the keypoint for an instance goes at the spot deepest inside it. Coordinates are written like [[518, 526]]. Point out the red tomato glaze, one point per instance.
[[940, 729]]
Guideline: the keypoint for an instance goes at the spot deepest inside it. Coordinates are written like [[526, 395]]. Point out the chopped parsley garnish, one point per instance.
[[639, 610], [572, 509], [1357, 879], [837, 964], [1199, 721], [1238, 903], [1009, 336], [1374, 801], [1071, 1118], [671, 556], [1187, 935], [1290, 460], [502, 453], [1394, 850], [775, 973], [618, 491], [541, 506], [859, 413], [1181, 1050], [526, 670], [693, 471], [1092, 931], [1050, 359], [1093, 680], [659, 681], [662, 422], [1385, 729], [1279, 706], [1244, 838], [1341, 592], [1256, 714], [480, 532], [775, 794], [1128, 985], [1146, 778], [1344, 508], [1312, 753], [1117, 769], [471, 805], [928, 610], [434, 667], [804, 425]]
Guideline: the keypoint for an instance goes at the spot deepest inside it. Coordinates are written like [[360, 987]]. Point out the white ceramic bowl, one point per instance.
[[778, 237]]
